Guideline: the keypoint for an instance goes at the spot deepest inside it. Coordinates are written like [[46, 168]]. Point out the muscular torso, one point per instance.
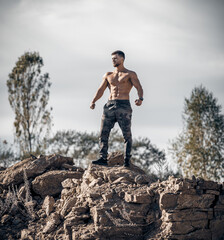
[[119, 84]]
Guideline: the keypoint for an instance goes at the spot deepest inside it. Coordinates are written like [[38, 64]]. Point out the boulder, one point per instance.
[[48, 204], [49, 183], [68, 205], [195, 201], [52, 223], [137, 197], [168, 200], [33, 167]]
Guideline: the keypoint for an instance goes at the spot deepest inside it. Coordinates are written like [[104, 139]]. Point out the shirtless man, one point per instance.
[[118, 108]]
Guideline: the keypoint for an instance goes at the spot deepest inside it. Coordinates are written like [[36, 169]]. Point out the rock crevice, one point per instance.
[[109, 203]]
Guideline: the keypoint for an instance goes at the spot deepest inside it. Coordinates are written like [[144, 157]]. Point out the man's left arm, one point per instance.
[[136, 83]]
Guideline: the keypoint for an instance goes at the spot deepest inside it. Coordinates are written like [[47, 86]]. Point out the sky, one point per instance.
[[172, 45]]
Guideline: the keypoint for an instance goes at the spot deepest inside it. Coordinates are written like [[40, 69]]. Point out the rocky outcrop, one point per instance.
[[115, 202], [33, 166], [49, 183], [191, 209]]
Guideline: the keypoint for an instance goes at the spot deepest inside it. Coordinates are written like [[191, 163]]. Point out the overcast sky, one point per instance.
[[172, 45]]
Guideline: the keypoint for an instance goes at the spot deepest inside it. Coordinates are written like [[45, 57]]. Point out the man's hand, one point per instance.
[[138, 102], [92, 105]]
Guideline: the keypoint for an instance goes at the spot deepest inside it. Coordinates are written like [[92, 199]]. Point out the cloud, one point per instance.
[[172, 45]]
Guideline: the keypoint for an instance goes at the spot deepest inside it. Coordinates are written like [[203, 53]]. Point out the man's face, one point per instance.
[[117, 60]]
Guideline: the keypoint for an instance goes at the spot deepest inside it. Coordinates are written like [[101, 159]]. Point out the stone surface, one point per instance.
[[195, 201], [168, 200], [33, 167], [68, 205], [52, 223], [137, 198], [217, 228], [186, 214], [113, 202], [49, 183], [48, 204], [25, 234]]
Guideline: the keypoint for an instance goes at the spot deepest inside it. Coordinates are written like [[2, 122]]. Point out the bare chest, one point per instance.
[[118, 79]]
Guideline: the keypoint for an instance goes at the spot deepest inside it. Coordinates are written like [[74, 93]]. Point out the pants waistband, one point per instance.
[[119, 101]]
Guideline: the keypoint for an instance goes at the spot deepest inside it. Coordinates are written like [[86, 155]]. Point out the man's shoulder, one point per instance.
[[131, 73], [107, 74]]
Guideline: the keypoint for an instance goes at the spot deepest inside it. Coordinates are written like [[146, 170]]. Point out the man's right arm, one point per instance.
[[135, 81], [100, 91]]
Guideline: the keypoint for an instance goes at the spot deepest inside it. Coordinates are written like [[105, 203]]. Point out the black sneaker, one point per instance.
[[126, 163], [100, 161]]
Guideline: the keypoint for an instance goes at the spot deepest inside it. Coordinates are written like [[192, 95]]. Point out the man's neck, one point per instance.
[[119, 68]]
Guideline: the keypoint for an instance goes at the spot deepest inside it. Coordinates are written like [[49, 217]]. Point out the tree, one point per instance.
[[148, 156], [6, 154], [199, 149], [83, 147], [78, 145], [28, 96]]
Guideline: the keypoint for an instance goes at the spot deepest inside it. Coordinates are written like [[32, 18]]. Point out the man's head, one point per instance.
[[117, 58]]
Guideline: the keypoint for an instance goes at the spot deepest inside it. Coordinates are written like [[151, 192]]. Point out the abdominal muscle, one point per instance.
[[120, 92]]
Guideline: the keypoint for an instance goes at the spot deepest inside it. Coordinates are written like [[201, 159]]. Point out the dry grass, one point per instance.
[[14, 201]]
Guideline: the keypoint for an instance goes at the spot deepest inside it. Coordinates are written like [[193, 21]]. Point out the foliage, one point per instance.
[[73, 143], [147, 156], [28, 96], [83, 147], [199, 149], [6, 154]]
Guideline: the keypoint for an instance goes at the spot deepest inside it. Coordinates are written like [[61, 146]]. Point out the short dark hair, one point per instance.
[[120, 53]]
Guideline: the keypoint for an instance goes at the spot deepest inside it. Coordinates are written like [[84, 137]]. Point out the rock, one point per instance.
[[52, 223], [115, 158], [121, 180], [201, 234], [221, 200], [5, 218], [142, 179], [112, 202], [208, 185], [71, 167], [195, 201], [79, 210], [16, 221], [67, 193], [25, 234], [168, 200], [33, 168], [99, 217], [215, 192], [107, 174], [179, 227], [108, 196], [96, 182], [68, 183], [217, 228], [48, 204], [68, 205], [49, 183], [137, 198], [186, 214]]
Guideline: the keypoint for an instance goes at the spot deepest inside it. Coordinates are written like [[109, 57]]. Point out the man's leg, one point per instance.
[[124, 121], [107, 123]]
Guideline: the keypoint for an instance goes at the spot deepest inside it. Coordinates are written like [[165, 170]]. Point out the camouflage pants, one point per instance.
[[116, 111]]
